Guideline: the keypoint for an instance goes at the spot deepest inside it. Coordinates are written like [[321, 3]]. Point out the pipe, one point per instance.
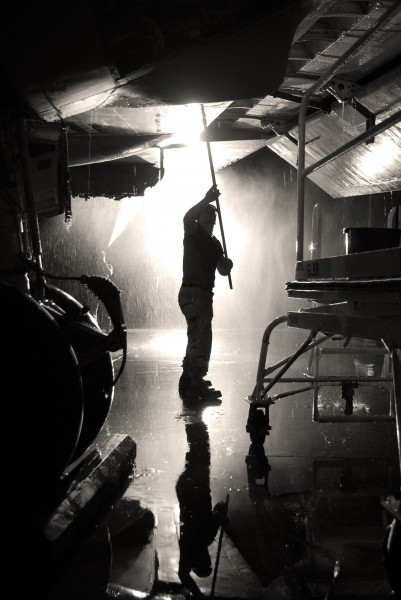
[[31, 211], [264, 348], [333, 380], [284, 360], [395, 354], [214, 183], [372, 132], [290, 361]]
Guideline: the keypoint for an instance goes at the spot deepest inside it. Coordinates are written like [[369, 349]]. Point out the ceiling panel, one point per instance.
[[132, 79]]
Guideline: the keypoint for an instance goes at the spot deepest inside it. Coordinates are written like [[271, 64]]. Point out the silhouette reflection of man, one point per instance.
[[199, 521]]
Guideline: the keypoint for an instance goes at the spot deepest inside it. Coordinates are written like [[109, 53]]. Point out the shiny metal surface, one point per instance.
[[311, 499], [249, 65]]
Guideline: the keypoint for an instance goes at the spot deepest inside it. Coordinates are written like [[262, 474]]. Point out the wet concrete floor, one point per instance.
[[305, 514]]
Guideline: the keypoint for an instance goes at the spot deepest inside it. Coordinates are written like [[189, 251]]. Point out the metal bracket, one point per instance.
[[342, 90], [345, 91], [370, 117], [279, 126]]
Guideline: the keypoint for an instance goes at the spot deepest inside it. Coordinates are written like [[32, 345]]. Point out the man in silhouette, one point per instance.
[[203, 255]]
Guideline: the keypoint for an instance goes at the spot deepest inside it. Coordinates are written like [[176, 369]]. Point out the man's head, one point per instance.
[[207, 218]]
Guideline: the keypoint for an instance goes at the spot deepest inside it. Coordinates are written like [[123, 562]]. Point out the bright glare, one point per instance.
[[379, 156], [185, 122], [168, 343], [187, 179], [185, 182], [209, 414]]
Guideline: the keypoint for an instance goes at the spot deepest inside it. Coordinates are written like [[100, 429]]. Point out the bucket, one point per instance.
[[365, 239]]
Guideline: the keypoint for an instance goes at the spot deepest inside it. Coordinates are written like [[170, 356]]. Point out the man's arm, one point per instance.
[[190, 217]]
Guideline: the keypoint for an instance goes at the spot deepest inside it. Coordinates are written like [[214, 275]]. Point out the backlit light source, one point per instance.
[[185, 123], [185, 183], [379, 157], [187, 177]]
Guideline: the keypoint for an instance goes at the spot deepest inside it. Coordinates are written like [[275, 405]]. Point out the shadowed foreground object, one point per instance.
[[60, 373]]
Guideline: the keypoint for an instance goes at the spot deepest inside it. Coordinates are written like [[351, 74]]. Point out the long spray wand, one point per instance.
[[214, 183]]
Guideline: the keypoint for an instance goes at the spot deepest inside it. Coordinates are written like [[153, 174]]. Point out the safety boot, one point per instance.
[[199, 388]]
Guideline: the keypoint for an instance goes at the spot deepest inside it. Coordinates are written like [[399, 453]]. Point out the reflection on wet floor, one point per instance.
[[306, 516]]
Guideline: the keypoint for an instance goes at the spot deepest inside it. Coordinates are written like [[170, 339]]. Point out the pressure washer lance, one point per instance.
[[209, 153], [333, 584], [216, 566]]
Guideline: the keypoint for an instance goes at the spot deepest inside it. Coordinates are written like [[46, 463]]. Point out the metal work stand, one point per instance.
[[356, 295], [258, 424]]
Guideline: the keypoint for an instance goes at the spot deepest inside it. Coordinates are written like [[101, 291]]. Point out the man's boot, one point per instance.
[[199, 388]]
